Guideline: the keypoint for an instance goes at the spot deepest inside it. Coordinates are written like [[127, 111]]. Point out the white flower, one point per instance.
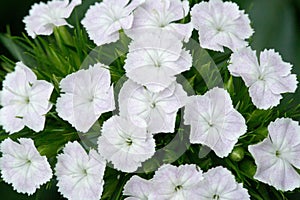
[[86, 95], [104, 20], [277, 156], [25, 100], [125, 144], [154, 60], [219, 183], [214, 122], [177, 183], [22, 166], [221, 24], [80, 175], [161, 14], [157, 109], [138, 188], [266, 80], [43, 18]]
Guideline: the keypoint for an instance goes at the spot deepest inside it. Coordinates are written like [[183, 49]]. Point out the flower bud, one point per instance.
[[237, 154]]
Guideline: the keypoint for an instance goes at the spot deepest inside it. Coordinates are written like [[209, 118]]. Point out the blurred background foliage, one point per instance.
[[276, 24]]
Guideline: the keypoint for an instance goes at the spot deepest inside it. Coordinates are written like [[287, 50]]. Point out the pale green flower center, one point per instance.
[[178, 187], [129, 141]]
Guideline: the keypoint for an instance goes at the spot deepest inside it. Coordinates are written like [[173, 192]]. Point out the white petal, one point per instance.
[[104, 20], [155, 59], [33, 120], [9, 119], [277, 155], [161, 15], [284, 133], [40, 95], [272, 61], [64, 107], [157, 109], [138, 188], [280, 174], [25, 100], [220, 181], [266, 80], [22, 165], [214, 122], [171, 182], [182, 31], [244, 63], [221, 24], [43, 17], [80, 175], [262, 97], [18, 81], [87, 94], [125, 144]]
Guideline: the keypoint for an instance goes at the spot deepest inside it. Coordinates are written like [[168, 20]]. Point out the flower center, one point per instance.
[[153, 105], [261, 77], [210, 123], [216, 196], [28, 161], [27, 100], [219, 29], [129, 141], [178, 187], [84, 171], [157, 63], [277, 153]]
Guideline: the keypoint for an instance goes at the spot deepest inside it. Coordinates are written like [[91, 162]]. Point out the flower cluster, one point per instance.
[[142, 115]]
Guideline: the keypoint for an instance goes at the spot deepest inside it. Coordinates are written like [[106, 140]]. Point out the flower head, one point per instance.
[[157, 109], [214, 122], [86, 95], [43, 18], [138, 188], [277, 156], [162, 15], [79, 175], [266, 80], [25, 100], [182, 182], [221, 24], [22, 166], [104, 20], [219, 183], [154, 60], [125, 144]]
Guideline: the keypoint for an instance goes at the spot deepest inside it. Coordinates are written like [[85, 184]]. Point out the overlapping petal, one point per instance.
[[182, 182], [214, 122], [86, 95], [44, 17], [138, 188], [80, 175], [25, 100], [154, 60], [104, 20], [219, 183], [278, 155], [266, 79], [221, 24], [161, 15], [22, 166], [157, 109], [126, 144]]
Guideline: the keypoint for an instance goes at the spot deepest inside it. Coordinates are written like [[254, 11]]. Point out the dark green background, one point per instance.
[[276, 24]]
